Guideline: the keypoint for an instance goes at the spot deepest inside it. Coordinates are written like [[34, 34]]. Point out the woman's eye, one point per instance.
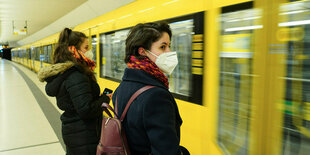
[[162, 47]]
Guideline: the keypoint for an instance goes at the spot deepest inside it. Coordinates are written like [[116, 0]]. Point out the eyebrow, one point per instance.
[[164, 43]]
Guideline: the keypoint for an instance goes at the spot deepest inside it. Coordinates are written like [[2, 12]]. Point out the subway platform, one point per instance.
[[29, 119]]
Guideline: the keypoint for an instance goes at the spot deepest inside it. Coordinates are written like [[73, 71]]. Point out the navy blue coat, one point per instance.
[[152, 124]]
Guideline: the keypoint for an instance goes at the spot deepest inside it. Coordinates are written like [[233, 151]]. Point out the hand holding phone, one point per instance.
[[108, 92]]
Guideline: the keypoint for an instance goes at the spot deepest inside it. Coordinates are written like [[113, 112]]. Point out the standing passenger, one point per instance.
[[152, 124], [71, 80]]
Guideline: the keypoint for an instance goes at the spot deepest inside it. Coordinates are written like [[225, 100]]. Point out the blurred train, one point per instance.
[[243, 79]]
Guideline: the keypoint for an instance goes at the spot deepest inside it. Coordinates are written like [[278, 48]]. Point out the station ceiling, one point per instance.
[[46, 17]]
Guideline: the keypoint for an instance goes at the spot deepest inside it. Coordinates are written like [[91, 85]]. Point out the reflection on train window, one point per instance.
[[112, 47], [37, 53], [295, 30], [94, 47], [29, 53], [45, 54], [49, 53], [236, 55], [180, 80]]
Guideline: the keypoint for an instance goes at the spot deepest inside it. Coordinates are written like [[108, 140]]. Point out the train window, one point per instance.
[[37, 53], [236, 53], [49, 53], [45, 53], [32, 53], [183, 79], [41, 53], [295, 30], [29, 53], [94, 47], [180, 80], [112, 47]]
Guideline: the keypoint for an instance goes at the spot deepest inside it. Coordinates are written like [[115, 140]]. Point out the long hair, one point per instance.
[[62, 54]]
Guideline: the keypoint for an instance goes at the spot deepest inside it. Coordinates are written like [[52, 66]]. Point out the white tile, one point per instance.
[[33, 76], [22, 122]]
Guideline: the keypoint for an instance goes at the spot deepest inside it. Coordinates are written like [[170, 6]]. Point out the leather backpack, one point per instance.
[[113, 139]]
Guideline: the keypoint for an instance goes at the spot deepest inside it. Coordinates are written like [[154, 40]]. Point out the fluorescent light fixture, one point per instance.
[[242, 19], [234, 20], [295, 23], [170, 2], [250, 18], [244, 28], [146, 10], [125, 16], [84, 29], [110, 21], [292, 12], [93, 27], [101, 23], [236, 54]]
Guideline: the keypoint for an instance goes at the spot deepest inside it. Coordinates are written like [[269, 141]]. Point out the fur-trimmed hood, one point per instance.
[[53, 70]]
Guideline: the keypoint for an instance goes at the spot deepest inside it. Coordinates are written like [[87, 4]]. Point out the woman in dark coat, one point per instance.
[[152, 124], [71, 80]]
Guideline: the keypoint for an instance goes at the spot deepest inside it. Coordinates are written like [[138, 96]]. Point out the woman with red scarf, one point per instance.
[[152, 123], [71, 80]]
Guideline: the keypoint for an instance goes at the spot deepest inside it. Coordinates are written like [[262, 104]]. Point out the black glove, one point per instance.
[[104, 99], [184, 151]]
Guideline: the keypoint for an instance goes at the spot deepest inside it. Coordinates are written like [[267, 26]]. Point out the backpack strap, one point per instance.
[[133, 97], [106, 106]]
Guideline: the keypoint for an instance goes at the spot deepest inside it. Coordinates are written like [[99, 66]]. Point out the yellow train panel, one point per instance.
[[37, 66], [142, 11]]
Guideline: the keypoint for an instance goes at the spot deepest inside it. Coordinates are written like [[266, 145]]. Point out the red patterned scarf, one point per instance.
[[150, 67], [82, 58]]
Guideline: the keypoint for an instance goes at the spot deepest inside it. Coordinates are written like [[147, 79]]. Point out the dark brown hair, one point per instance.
[[143, 35], [62, 54]]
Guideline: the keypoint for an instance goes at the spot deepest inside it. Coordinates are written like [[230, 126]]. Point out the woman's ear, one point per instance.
[[71, 49], [141, 51]]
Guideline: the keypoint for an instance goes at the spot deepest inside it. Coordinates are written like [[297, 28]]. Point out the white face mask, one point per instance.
[[166, 61], [89, 54]]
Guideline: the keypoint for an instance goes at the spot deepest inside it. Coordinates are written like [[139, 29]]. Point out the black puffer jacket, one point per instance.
[[78, 96], [152, 123]]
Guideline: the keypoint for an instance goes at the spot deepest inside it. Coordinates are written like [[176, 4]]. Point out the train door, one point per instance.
[[28, 58], [43, 52], [49, 54], [281, 83], [32, 60], [238, 23], [294, 32]]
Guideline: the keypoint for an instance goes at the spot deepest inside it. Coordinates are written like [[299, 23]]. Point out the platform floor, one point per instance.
[[29, 119]]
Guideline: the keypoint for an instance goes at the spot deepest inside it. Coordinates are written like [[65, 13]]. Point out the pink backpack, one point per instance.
[[113, 139]]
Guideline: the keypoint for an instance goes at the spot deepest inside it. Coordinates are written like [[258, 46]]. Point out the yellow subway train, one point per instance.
[[243, 79]]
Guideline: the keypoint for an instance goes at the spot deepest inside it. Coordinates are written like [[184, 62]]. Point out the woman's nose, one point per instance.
[[168, 49]]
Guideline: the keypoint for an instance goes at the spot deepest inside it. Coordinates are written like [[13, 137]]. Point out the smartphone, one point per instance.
[[107, 91]]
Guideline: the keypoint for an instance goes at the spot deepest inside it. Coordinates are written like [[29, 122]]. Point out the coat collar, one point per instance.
[[53, 70], [137, 75]]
